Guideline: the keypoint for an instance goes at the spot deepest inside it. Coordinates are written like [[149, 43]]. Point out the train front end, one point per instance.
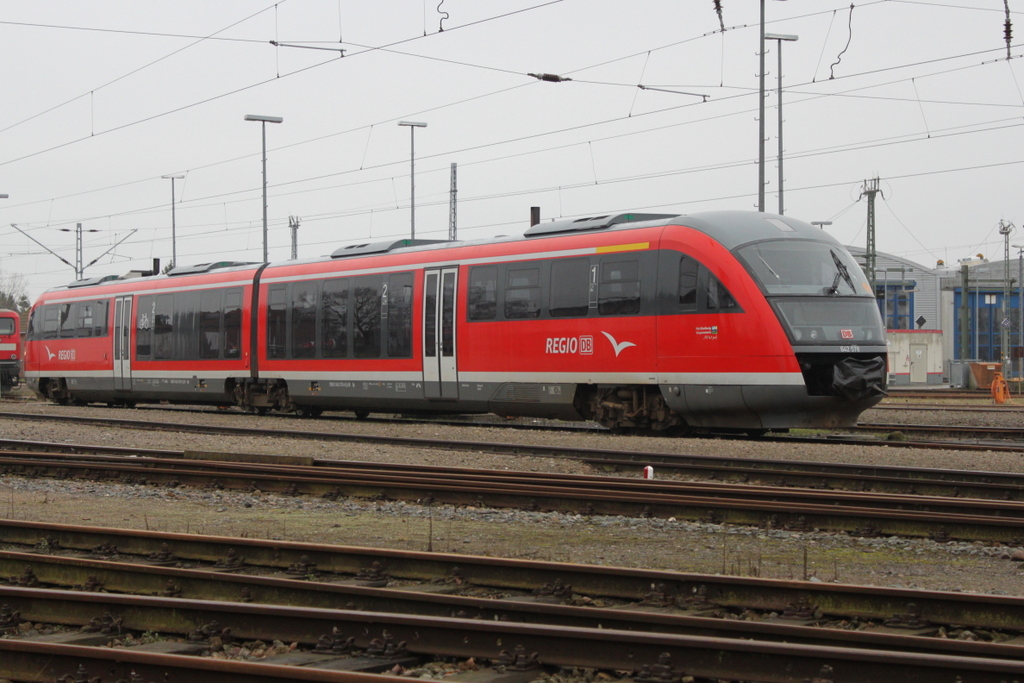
[[10, 348], [825, 305]]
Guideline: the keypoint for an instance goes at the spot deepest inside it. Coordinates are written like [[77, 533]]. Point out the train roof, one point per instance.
[[730, 228]]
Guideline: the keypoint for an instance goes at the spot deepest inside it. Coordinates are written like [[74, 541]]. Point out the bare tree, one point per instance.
[[13, 294]]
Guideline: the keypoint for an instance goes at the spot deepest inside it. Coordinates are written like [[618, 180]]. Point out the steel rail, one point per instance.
[[293, 477], [775, 472], [381, 566], [562, 646], [1015, 432], [485, 446], [26, 660], [689, 618], [762, 506]]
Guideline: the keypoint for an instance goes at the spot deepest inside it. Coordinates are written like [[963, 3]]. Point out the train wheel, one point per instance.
[[361, 414], [302, 411], [257, 410], [756, 433]]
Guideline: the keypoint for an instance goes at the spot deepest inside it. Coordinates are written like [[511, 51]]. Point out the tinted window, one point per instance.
[[232, 323], [687, 284], [277, 321], [522, 293], [144, 327], [210, 339], [400, 316], [163, 328], [430, 316], [570, 287], [619, 290], [51, 322], [6, 326], [719, 298], [448, 314], [304, 303], [483, 293], [334, 319], [67, 320], [186, 322], [366, 295], [85, 318]]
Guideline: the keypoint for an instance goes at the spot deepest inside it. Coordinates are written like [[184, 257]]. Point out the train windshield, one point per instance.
[[804, 267], [6, 326]]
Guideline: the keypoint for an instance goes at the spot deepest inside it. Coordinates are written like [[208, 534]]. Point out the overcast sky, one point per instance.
[[102, 99]]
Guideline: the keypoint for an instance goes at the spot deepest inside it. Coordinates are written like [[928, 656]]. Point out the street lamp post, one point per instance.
[[174, 231], [780, 37], [413, 125], [264, 120]]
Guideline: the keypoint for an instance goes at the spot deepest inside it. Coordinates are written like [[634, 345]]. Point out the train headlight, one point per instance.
[[14, 356]]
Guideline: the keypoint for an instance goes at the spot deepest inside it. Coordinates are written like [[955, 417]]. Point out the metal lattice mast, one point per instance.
[[293, 224], [1005, 229], [870, 255], [452, 212]]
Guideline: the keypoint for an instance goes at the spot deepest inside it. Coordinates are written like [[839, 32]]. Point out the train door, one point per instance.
[[122, 343], [440, 379]]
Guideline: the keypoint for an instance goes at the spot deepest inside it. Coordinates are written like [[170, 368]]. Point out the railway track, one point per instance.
[[678, 622], [861, 513]]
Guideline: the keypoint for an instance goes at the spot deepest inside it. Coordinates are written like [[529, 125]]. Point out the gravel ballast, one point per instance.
[[650, 543]]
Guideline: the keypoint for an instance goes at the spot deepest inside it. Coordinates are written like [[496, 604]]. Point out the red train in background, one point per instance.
[[10, 348], [721, 320]]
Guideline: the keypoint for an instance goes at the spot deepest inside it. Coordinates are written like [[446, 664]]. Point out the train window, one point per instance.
[[277, 321], [210, 337], [144, 327], [99, 318], [304, 304], [67, 321], [687, 284], [334, 319], [448, 314], [400, 317], [430, 316], [51, 322], [84, 316], [619, 290], [232, 323], [718, 297], [522, 293], [163, 327], [483, 293], [6, 326], [366, 299], [187, 306], [570, 287]]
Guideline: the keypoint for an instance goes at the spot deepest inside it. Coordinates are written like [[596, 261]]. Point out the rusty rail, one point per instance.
[[524, 645]]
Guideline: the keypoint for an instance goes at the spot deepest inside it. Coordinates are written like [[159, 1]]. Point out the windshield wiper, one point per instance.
[[769, 268], [841, 272]]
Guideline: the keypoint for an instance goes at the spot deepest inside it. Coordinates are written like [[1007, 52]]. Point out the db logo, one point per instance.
[[847, 334]]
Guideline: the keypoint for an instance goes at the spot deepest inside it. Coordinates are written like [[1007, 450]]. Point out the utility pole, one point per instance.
[[965, 313], [452, 211], [1005, 229], [870, 255], [293, 224], [79, 269]]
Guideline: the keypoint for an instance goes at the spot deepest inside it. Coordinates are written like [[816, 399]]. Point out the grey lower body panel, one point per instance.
[[761, 407]]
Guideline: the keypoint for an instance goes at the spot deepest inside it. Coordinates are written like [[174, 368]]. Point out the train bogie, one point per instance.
[[648, 323]]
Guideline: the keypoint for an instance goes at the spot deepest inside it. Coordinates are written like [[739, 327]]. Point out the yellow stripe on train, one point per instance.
[[624, 247]]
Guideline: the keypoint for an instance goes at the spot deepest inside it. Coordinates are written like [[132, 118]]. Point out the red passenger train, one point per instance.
[[721, 320], [10, 348]]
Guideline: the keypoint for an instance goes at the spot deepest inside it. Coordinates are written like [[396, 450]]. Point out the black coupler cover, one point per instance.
[[857, 379]]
